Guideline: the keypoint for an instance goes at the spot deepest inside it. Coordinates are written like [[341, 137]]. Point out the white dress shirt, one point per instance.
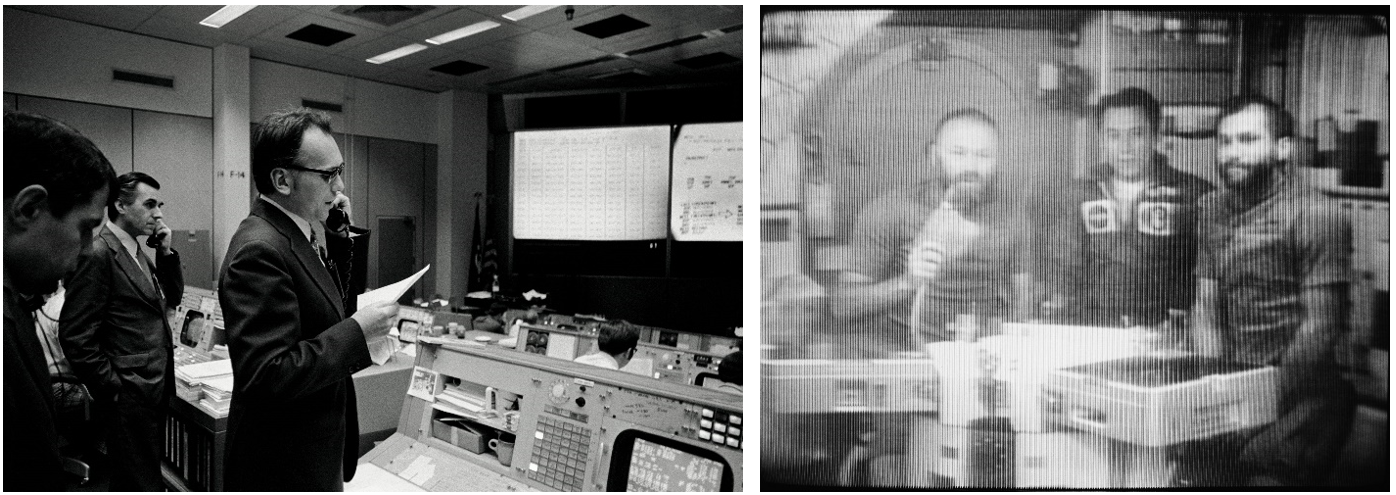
[[599, 359]]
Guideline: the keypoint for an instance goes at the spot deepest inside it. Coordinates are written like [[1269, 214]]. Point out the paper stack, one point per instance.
[[460, 399], [218, 394], [189, 377]]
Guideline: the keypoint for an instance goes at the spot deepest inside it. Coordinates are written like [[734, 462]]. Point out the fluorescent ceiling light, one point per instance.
[[450, 36], [527, 11], [398, 53], [226, 15]]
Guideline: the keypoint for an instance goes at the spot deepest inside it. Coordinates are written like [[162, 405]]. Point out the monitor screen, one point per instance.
[[598, 184], [193, 330], [657, 468], [644, 462]]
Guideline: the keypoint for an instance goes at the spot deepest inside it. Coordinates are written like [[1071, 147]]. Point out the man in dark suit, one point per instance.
[[56, 183], [293, 423], [115, 334]]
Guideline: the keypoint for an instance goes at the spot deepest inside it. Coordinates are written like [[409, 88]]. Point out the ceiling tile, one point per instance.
[[536, 49], [251, 24], [347, 66], [185, 31], [604, 67], [327, 11], [122, 17], [194, 13], [280, 52], [423, 82], [692, 49]]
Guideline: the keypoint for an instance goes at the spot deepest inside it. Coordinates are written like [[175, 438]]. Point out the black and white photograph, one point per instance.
[[375, 248], [1077, 248]]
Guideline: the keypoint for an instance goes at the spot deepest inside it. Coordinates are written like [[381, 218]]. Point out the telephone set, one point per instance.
[[154, 240], [337, 220]]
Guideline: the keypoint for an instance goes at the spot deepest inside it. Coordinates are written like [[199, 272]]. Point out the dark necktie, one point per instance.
[[320, 251]]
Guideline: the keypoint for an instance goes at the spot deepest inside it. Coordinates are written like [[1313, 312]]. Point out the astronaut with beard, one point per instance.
[[1272, 275], [955, 242]]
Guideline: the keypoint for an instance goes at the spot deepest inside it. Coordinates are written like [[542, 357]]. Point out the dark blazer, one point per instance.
[[113, 326], [31, 440], [293, 422]]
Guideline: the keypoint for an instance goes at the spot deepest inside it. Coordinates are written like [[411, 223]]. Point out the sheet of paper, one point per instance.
[[382, 349], [371, 478], [390, 292]]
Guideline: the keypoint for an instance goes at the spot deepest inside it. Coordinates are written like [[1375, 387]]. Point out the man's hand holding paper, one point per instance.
[[377, 310]]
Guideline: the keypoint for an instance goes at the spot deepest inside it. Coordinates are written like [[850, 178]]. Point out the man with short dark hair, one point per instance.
[[115, 333], [616, 342], [1272, 276], [1124, 254], [956, 242], [730, 372], [293, 422], [56, 183]]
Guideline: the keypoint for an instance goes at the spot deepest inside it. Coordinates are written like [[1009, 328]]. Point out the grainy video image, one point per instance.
[[1074, 249]]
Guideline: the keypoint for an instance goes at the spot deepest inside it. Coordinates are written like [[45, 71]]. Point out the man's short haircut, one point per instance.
[[1130, 98], [124, 190], [1277, 119], [730, 369], [970, 114], [43, 151], [616, 337], [276, 142]]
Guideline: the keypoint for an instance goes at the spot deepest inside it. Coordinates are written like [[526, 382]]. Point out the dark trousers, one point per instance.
[[135, 434], [1299, 449]]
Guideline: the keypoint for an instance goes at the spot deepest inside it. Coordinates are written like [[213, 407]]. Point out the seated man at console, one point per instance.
[[954, 242], [616, 341], [730, 372]]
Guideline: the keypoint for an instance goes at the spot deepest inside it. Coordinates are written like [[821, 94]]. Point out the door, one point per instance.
[[396, 248]]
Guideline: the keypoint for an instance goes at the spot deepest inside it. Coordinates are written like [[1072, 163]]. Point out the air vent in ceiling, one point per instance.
[[458, 68], [320, 35], [709, 60], [611, 26], [383, 15], [320, 105], [138, 78]]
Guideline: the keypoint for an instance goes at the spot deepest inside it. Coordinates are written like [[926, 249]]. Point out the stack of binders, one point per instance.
[[218, 395], [188, 378]]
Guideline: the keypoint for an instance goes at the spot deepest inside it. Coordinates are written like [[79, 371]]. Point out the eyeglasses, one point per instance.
[[328, 175]]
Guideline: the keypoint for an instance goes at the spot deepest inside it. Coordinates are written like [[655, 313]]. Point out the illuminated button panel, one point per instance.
[[536, 342], [720, 428], [559, 454]]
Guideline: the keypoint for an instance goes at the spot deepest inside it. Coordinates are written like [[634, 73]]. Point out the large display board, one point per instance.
[[707, 185], [606, 184]]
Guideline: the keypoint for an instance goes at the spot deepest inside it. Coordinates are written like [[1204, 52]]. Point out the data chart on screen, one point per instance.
[[608, 184]]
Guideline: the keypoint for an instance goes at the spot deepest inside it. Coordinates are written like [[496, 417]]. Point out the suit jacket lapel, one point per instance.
[[128, 266], [301, 247]]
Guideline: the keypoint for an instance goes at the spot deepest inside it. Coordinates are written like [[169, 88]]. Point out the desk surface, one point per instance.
[[380, 390]]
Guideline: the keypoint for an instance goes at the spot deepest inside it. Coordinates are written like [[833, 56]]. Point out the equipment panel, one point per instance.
[[554, 425]]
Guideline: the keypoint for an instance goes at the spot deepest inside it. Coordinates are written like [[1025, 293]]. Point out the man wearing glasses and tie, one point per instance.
[[293, 422], [114, 331]]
